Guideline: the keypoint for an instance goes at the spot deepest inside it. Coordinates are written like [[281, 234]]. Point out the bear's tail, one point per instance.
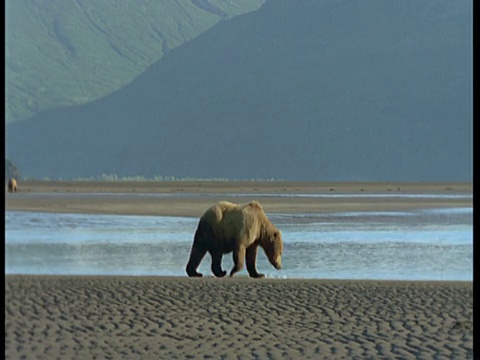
[[198, 238]]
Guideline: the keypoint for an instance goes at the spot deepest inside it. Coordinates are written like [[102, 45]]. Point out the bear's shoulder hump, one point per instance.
[[255, 205]]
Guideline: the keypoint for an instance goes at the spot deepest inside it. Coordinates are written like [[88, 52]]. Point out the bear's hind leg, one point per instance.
[[251, 258], [217, 264], [196, 257]]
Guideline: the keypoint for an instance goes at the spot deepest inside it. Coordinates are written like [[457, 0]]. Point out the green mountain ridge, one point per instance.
[[61, 53], [308, 90]]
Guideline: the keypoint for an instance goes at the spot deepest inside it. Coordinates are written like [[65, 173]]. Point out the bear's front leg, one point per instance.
[[251, 257], [238, 259], [217, 264]]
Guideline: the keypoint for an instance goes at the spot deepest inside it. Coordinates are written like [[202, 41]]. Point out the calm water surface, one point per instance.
[[415, 245]]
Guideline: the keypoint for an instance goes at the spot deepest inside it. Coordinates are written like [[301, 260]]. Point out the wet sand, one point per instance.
[[191, 198], [68, 317], [80, 317]]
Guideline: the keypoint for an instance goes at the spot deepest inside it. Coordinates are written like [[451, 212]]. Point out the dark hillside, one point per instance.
[[310, 90]]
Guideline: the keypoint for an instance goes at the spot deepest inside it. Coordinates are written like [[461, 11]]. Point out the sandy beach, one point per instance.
[[115, 317], [191, 198], [57, 317]]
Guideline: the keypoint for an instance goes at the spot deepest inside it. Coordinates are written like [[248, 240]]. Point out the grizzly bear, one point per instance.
[[226, 227], [12, 185]]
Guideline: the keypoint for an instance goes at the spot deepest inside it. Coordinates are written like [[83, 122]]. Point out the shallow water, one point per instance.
[[415, 245]]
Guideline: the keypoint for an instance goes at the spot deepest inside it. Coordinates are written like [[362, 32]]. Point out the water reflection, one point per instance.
[[426, 244]]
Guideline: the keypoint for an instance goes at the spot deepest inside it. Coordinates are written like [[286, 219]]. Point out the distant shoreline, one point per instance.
[[191, 198], [242, 186]]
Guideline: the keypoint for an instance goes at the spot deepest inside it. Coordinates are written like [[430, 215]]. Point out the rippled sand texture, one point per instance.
[[181, 318]]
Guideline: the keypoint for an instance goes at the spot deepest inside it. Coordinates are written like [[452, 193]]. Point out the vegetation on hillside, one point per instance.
[[298, 90], [11, 170], [62, 53]]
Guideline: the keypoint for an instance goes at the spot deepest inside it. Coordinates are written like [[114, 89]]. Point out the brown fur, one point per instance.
[[226, 227], [12, 185]]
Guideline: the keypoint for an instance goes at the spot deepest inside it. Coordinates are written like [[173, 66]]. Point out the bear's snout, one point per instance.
[[278, 264]]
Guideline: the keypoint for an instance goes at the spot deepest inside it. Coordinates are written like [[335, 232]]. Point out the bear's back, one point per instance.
[[226, 215], [225, 209]]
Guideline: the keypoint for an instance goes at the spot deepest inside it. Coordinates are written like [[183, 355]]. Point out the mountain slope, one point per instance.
[[72, 52], [330, 90]]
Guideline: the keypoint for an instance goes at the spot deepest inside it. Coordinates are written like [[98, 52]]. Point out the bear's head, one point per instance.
[[273, 247]]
